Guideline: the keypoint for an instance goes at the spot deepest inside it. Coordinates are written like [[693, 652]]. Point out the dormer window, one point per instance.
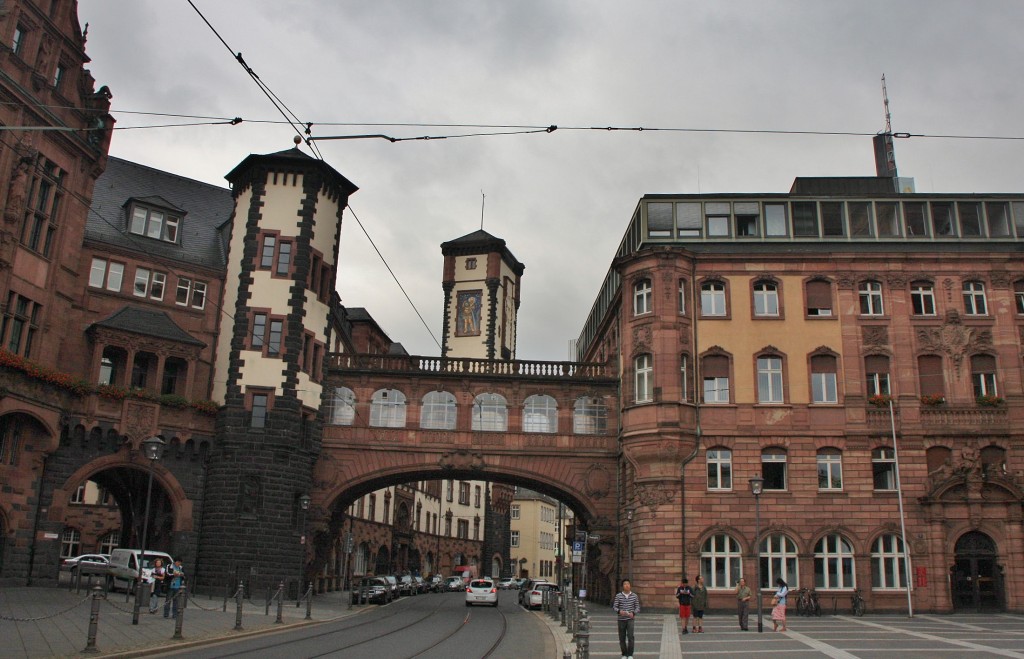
[[155, 223]]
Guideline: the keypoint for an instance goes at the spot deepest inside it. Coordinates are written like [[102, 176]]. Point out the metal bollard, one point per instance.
[[280, 603], [309, 602], [238, 606], [94, 621], [179, 602], [567, 654], [583, 639]]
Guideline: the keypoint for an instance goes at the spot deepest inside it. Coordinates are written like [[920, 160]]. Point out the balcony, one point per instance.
[[965, 417]]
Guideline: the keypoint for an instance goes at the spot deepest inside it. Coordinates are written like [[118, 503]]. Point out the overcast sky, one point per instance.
[[560, 200]]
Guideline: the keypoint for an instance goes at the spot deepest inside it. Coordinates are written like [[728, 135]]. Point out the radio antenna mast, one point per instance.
[[885, 101], [483, 200]]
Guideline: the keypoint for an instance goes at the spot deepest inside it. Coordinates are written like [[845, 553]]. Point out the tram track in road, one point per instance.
[[469, 615]]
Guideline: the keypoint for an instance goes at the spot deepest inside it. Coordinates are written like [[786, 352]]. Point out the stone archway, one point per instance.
[[976, 577]]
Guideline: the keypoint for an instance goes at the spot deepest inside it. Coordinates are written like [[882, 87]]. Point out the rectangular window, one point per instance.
[[199, 295], [20, 326], [712, 299], [970, 218], [18, 43], [267, 257], [887, 215], [153, 223], [156, 288], [876, 368], [773, 470], [1018, 217], [775, 220], [805, 219], [942, 219], [832, 218], [830, 470], [718, 214], [719, 469], [45, 194], [514, 538], [106, 275], [58, 75], [184, 291], [998, 216], [284, 258], [860, 218], [746, 218], [883, 468], [769, 380], [259, 330], [922, 299], [514, 511], [274, 340], [819, 298], [913, 213], [141, 288], [659, 220], [688, 220], [259, 411], [823, 386], [464, 493]]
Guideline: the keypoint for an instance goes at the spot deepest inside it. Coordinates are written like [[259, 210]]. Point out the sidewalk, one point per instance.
[[53, 622]]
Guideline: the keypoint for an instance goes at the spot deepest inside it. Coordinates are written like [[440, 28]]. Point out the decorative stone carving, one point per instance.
[[642, 339], [954, 339], [896, 279], [692, 547], [462, 460], [597, 481], [947, 284], [875, 336], [653, 495], [139, 420], [846, 280], [1000, 278]]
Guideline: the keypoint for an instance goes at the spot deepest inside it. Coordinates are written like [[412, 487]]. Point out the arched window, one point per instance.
[[887, 565], [833, 563], [719, 462], [387, 409], [70, 542], [490, 412], [589, 416], [343, 407], [824, 387], [643, 367], [778, 559], [769, 379], [870, 293], [721, 562], [642, 297], [438, 411], [109, 542], [766, 299], [540, 414], [830, 469], [983, 375]]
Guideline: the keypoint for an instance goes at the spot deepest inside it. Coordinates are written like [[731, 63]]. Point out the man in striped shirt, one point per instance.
[[626, 605]]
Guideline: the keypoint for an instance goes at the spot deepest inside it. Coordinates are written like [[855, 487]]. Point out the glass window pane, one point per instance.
[[832, 218], [942, 218], [775, 220], [970, 218], [998, 219], [888, 219], [913, 212], [805, 218]]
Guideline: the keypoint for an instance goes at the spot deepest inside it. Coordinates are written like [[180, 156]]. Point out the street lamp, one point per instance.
[[303, 507], [152, 448], [629, 540], [756, 488]]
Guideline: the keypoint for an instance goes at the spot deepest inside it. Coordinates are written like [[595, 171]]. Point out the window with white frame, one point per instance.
[[773, 468], [983, 375], [70, 543], [716, 379], [682, 297], [514, 538], [110, 542], [684, 377], [719, 462], [721, 562], [833, 563], [870, 293], [589, 416], [387, 409], [922, 298], [18, 42], [778, 559], [438, 411], [824, 388], [644, 379], [463, 493], [104, 274], [876, 369], [975, 303], [513, 511], [887, 564], [712, 299], [883, 468], [642, 297], [766, 299], [540, 414], [190, 292], [769, 379], [490, 412], [830, 469], [154, 223], [342, 411]]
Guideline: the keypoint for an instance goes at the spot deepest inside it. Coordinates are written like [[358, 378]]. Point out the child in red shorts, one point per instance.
[[685, 597]]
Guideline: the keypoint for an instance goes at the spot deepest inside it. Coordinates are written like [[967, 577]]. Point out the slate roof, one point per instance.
[[147, 322], [205, 207], [295, 157], [480, 242]]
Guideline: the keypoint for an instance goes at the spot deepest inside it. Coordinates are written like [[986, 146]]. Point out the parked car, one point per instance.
[[481, 591], [406, 585], [123, 568], [505, 584], [533, 595], [455, 584], [372, 590], [393, 584], [421, 585], [89, 563], [438, 584]]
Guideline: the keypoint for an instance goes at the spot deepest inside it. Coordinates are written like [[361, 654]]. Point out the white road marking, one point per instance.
[[940, 639]]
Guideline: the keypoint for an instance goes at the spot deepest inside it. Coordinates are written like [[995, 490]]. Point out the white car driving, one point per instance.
[[481, 591]]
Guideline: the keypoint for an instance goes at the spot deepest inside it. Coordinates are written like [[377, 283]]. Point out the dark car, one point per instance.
[[372, 590], [407, 585], [393, 583], [421, 585], [437, 584]]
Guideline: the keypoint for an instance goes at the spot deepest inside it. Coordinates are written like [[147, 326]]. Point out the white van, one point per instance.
[[123, 568]]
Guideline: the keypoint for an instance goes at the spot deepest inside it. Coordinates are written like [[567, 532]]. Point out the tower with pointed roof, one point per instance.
[[481, 297], [282, 251]]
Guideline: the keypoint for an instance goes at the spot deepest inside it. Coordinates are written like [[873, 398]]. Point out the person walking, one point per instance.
[[175, 578], [626, 605], [159, 574], [700, 602], [742, 602], [779, 605], [684, 594]]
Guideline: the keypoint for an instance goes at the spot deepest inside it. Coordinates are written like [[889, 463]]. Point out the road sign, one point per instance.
[[577, 547]]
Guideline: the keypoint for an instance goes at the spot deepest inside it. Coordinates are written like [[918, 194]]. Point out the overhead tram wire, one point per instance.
[[275, 100], [394, 276]]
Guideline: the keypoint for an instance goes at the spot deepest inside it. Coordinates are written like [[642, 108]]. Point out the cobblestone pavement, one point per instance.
[[925, 636], [54, 622]]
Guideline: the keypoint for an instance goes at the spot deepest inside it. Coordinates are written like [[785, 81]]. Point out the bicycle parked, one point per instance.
[[807, 603], [858, 603]]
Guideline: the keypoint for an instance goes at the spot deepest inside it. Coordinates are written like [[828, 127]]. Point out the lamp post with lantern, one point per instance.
[[756, 488], [152, 448], [303, 507]]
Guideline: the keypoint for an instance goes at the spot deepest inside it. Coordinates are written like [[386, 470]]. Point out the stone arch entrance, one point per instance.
[[976, 577]]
